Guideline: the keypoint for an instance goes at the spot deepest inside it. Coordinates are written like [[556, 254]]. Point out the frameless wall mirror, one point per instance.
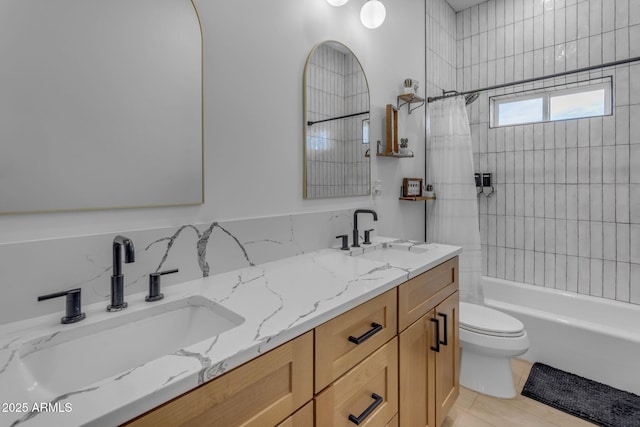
[[101, 104], [336, 124]]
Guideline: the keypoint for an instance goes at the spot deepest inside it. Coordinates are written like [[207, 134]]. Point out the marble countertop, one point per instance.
[[278, 301]]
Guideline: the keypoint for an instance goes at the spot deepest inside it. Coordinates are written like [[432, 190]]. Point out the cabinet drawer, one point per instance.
[[372, 380], [421, 294], [302, 418], [374, 323], [262, 392]]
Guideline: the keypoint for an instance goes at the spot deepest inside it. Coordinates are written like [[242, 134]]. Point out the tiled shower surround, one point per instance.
[[566, 211], [336, 165], [440, 39]]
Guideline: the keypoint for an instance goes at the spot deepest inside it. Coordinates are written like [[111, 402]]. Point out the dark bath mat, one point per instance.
[[592, 401]]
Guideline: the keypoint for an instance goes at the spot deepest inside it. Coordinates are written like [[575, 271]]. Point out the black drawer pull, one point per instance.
[[359, 419], [375, 328], [437, 346], [446, 334]]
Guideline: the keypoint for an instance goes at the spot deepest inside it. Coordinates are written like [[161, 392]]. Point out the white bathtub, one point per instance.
[[588, 336]]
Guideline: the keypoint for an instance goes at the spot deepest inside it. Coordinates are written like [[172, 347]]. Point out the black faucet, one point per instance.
[[355, 224], [117, 278]]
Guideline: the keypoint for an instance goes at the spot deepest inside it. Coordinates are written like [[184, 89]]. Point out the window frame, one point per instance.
[[547, 94]]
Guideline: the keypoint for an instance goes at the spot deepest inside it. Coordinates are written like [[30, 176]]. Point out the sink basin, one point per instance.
[[72, 360], [397, 255]]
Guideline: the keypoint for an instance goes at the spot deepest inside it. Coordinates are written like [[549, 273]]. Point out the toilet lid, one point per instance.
[[487, 321]]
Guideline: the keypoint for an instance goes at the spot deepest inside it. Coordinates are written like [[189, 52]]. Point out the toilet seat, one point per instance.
[[487, 321]]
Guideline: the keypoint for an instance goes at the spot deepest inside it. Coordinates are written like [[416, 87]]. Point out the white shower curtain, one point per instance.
[[453, 217]]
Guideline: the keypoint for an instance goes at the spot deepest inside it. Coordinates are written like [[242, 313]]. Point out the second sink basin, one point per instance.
[[395, 254], [66, 361]]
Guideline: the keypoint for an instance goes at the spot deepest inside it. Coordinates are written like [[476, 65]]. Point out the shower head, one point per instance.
[[471, 97]]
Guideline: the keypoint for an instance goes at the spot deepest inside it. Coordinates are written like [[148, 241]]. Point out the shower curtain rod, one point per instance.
[[310, 123], [449, 94]]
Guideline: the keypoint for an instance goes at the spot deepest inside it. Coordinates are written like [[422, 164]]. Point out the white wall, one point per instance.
[[254, 56]]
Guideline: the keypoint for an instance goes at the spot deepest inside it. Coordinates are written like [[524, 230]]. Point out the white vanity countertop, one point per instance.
[[279, 301]]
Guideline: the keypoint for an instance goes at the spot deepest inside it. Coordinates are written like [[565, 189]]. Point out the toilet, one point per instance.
[[488, 341]]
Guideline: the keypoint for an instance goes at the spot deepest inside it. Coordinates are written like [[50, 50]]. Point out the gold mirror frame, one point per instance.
[[335, 174], [102, 184]]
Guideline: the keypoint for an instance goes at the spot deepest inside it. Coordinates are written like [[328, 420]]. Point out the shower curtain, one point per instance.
[[453, 218]]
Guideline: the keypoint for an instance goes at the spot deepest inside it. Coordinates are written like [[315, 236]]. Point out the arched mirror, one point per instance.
[[336, 124], [101, 104]]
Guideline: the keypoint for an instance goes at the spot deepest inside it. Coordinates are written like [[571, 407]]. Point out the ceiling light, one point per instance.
[[372, 14], [337, 2]]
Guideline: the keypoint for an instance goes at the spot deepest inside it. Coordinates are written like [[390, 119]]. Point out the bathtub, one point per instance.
[[592, 337]]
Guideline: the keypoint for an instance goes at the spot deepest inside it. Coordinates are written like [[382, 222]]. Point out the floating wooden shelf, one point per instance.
[[391, 148], [392, 154], [417, 198], [409, 99]]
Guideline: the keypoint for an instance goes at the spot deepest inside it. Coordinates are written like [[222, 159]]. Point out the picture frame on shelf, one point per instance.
[[412, 187]]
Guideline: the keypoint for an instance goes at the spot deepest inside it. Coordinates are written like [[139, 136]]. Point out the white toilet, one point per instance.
[[488, 341]]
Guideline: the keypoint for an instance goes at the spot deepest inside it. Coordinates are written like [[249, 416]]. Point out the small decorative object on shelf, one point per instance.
[[411, 187], [429, 191], [409, 95], [410, 86], [412, 190], [404, 146]]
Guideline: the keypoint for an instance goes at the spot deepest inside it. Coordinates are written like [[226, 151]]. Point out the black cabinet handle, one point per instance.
[[375, 328], [359, 419], [446, 334], [437, 346]]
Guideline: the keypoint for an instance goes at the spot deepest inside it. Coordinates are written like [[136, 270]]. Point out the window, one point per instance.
[[520, 111], [585, 99], [365, 131]]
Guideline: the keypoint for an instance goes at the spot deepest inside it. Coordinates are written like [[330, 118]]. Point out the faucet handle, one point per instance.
[[73, 306], [345, 241], [367, 236], [154, 285]]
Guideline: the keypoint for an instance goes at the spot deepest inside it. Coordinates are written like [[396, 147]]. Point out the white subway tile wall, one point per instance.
[[566, 212], [441, 45], [442, 54]]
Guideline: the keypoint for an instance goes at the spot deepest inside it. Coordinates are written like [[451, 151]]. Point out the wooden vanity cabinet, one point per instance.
[[303, 418], [417, 374], [369, 391], [344, 341], [262, 392], [447, 371], [429, 349], [395, 357], [428, 356]]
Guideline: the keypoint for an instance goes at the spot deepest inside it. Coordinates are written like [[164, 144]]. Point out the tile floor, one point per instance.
[[476, 410]]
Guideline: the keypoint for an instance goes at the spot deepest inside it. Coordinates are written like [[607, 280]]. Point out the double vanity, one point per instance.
[[332, 335]]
